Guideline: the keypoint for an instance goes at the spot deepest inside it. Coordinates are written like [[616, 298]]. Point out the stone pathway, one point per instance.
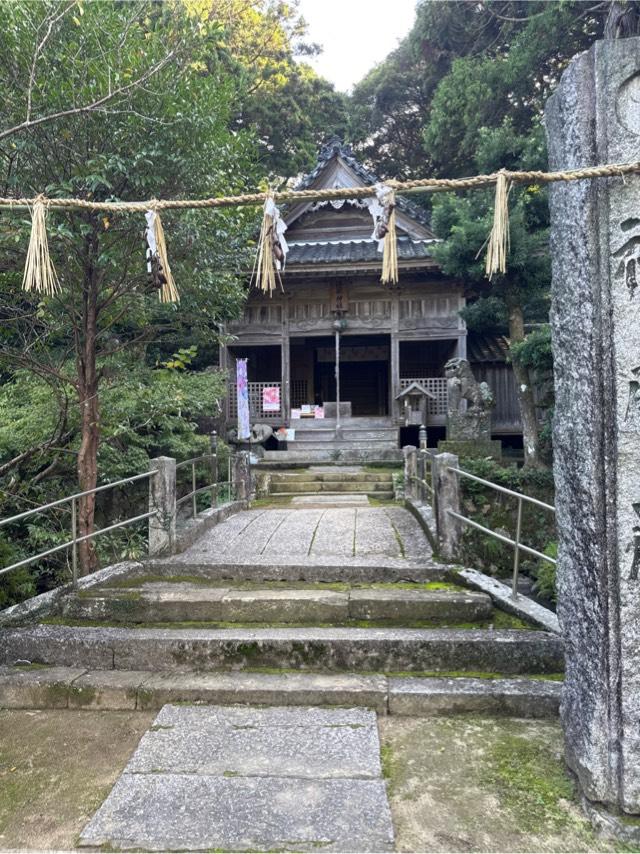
[[281, 535], [250, 779]]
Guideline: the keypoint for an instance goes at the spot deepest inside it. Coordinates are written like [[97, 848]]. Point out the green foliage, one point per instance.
[[145, 413], [498, 512], [16, 585], [293, 120], [535, 351], [180, 360], [545, 574], [463, 94]]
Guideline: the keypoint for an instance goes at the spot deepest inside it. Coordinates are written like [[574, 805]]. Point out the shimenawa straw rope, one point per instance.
[[40, 274]]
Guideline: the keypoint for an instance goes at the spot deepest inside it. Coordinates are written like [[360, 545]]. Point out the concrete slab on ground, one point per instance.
[[239, 779]]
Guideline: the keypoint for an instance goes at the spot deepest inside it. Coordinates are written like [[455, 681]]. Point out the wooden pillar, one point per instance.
[[285, 365], [394, 385]]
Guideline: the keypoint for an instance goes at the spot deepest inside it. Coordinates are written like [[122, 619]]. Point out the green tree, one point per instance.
[[291, 109], [169, 137], [471, 100]]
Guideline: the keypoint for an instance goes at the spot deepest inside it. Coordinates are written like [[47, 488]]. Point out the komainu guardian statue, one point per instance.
[[468, 426], [462, 385]]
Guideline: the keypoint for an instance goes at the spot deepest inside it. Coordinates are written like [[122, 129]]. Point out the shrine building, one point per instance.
[[334, 332]]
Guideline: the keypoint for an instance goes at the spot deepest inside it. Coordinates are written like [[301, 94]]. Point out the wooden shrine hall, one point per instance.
[[336, 333]]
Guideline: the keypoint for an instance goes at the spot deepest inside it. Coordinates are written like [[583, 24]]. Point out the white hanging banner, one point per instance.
[[242, 387]]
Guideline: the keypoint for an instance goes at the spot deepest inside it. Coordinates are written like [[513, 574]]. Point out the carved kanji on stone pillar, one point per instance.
[[593, 118]]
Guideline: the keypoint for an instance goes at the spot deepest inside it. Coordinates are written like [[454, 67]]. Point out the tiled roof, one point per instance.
[[335, 147], [353, 251], [487, 348]]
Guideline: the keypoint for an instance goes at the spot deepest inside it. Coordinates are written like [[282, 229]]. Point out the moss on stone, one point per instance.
[[529, 780], [33, 665]]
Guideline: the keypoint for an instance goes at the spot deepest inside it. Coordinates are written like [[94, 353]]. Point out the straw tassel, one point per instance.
[[499, 240], [390, 249], [168, 291], [272, 248], [157, 251], [39, 272]]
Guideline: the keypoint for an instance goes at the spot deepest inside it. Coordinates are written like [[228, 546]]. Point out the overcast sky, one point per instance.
[[355, 34]]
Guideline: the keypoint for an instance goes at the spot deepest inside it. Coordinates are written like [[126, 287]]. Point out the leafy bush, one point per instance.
[[545, 575], [145, 413]]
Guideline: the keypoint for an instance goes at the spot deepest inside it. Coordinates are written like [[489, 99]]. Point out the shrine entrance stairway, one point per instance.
[[354, 440]]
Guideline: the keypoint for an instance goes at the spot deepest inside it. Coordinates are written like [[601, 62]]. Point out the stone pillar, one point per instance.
[[162, 502], [594, 118], [241, 475], [447, 497], [410, 455]]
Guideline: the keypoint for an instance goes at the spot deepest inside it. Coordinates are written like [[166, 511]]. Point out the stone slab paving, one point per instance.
[[349, 500], [347, 534], [242, 778]]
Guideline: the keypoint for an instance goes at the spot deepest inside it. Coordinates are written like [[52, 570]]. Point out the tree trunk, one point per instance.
[[524, 387], [89, 413]]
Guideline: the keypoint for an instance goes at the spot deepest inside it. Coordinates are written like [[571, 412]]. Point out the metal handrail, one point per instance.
[[518, 546], [504, 489], [424, 483], [214, 485], [77, 540], [75, 495], [73, 542], [194, 460]]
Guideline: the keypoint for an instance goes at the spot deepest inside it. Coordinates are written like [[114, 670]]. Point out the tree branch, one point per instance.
[[94, 105]]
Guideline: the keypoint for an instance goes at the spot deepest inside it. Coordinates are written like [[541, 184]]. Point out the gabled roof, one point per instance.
[[335, 147], [338, 251], [415, 388]]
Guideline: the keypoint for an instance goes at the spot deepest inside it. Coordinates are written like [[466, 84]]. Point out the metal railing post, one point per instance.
[[516, 556], [74, 547], [213, 439], [194, 503]]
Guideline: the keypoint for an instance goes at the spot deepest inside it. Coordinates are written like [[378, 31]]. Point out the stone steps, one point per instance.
[[262, 568], [329, 455], [333, 444], [332, 475], [372, 649], [304, 487], [380, 434], [80, 688], [158, 602]]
